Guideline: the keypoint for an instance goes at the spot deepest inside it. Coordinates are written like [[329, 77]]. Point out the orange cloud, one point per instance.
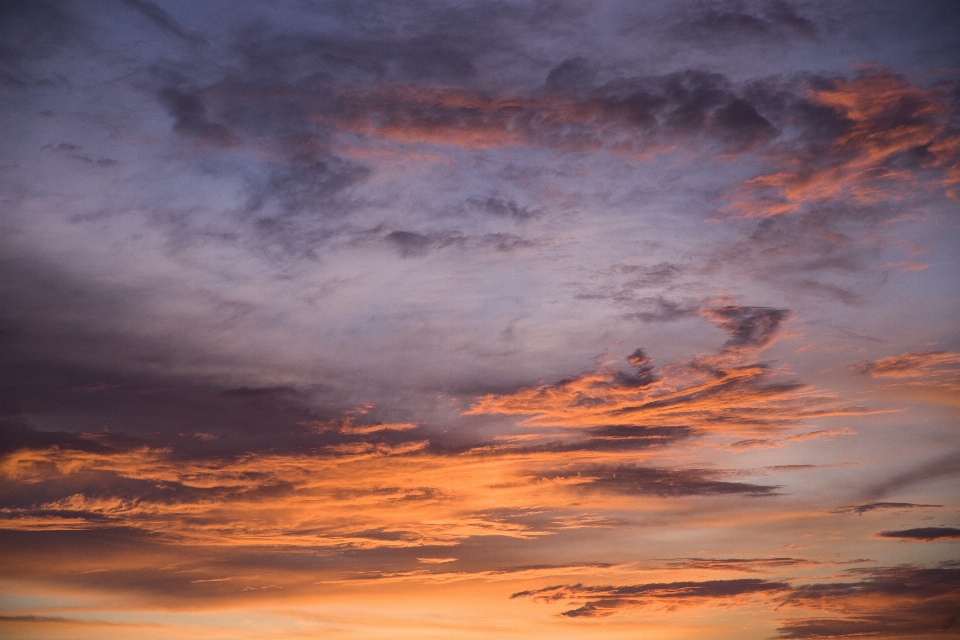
[[634, 118], [936, 371], [721, 394], [887, 117], [358, 495], [911, 365]]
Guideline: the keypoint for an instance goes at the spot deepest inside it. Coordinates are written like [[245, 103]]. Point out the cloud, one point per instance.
[[887, 603], [305, 185], [924, 533], [731, 23], [751, 328], [739, 400], [647, 292], [322, 204], [749, 565], [890, 602], [31, 30], [755, 443], [350, 482], [502, 208], [190, 118], [648, 275], [410, 244], [941, 467], [73, 151], [161, 19], [571, 73], [716, 393], [893, 135], [301, 102], [608, 438], [926, 368], [642, 114], [633, 480], [605, 600], [434, 45], [881, 506], [827, 254]]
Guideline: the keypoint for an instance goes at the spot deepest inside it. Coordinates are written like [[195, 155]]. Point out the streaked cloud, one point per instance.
[[884, 120], [929, 368], [723, 393], [605, 600], [926, 534], [885, 602]]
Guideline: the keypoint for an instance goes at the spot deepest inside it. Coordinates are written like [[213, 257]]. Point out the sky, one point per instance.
[[549, 319]]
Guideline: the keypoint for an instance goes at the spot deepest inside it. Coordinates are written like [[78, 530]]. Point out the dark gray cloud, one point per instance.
[[73, 151], [730, 23], [605, 600], [76, 373], [502, 208], [661, 309], [882, 506], [741, 126], [161, 19], [571, 73], [815, 254], [608, 438], [288, 92], [923, 533], [750, 565], [888, 602], [750, 328], [641, 276], [629, 286], [941, 467], [190, 118], [643, 374], [660, 482], [371, 52], [31, 30], [410, 244]]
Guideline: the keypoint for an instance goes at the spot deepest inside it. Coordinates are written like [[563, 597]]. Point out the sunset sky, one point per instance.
[[522, 320]]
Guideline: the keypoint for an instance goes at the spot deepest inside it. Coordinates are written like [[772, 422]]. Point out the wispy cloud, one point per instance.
[[718, 393], [884, 602], [891, 132], [605, 600], [928, 368], [881, 506]]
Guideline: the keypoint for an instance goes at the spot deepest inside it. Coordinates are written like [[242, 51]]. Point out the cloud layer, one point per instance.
[[638, 312]]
